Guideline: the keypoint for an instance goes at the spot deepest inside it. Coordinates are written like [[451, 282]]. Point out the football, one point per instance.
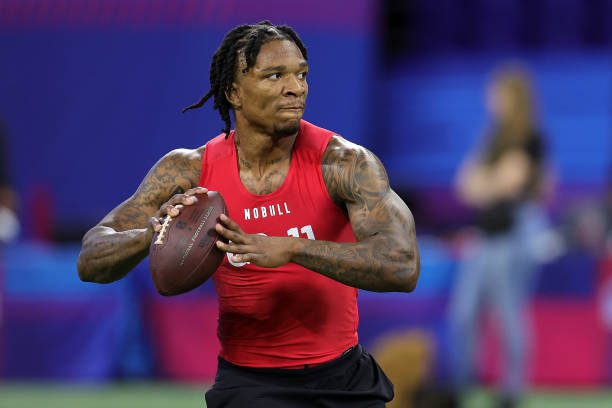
[[183, 254]]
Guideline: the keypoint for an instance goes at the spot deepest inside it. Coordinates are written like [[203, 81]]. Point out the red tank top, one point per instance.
[[287, 316]]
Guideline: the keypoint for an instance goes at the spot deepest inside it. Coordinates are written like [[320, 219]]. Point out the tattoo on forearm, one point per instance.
[[108, 257], [370, 267]]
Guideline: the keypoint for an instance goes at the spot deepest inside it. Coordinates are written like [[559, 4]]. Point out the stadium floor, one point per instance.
[[158, 395], [129, 395]]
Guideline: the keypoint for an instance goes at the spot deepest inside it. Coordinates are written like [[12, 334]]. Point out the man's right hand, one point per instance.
[[173, 206]]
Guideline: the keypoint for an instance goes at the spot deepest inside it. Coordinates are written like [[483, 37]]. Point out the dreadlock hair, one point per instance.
[[245, 39]]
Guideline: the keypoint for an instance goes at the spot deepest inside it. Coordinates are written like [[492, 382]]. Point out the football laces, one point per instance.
[[164, 228]]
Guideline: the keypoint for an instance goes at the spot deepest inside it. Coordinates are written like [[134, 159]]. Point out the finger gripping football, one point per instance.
[[183, 254]]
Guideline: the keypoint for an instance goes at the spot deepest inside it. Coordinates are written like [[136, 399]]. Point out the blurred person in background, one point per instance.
[[9, 226], [502, 181]]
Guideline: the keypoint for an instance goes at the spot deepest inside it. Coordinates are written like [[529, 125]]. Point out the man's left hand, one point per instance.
[[258, 249]]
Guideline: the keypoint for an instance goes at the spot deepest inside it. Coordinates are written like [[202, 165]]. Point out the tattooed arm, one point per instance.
[[121, 240], [386, 256]]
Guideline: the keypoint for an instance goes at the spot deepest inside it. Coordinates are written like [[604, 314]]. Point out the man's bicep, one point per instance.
[[374, 208], [171, 175], [353, 174], [356, 178], [390, 217]]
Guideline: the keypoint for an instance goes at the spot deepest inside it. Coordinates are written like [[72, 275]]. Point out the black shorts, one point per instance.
[[353, 380]]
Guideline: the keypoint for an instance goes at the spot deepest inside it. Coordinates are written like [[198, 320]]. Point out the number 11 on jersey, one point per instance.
[[306, 230]]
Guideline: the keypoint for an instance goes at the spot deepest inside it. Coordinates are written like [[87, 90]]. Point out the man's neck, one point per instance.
[[257, 150]]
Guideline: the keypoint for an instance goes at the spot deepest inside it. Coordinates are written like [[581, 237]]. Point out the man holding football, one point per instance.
[[311, 219]]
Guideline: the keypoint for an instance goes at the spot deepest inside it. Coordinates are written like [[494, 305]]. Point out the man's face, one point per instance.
[[271, 95]]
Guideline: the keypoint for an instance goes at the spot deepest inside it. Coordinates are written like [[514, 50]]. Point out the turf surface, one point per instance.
[[149, 395], [158, 395]]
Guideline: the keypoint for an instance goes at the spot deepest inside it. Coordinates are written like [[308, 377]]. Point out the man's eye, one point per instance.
[[274, 76], [302, 75]]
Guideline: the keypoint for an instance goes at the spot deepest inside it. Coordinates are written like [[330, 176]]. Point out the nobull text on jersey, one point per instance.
[[272, 210]]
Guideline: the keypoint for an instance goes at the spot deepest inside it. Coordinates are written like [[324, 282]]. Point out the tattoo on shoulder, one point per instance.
[[353, 174], [175, 173]]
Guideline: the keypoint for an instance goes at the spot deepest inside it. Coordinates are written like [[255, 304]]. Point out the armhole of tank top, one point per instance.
[[201, 183], [320, 173], [210, 148]]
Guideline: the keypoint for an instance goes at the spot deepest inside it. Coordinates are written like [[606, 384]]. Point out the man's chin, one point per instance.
[[287, 128]]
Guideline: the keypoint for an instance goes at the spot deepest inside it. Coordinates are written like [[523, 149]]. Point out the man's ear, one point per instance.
[[233, 96]]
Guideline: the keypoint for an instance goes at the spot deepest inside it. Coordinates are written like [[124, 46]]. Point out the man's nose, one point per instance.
[[294, 85]]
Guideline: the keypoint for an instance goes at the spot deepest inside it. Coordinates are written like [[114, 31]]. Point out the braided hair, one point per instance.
[[246, 39]]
